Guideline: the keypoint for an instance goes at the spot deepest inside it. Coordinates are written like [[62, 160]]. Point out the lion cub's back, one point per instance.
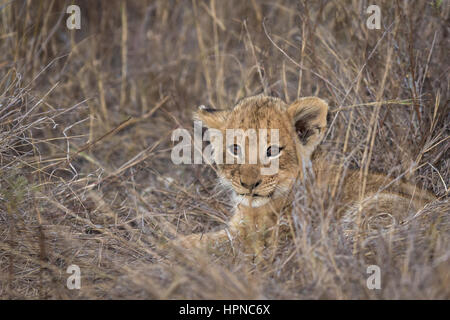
[[349, 187]]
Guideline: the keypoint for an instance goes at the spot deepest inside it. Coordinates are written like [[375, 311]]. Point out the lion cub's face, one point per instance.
[[264, 165]]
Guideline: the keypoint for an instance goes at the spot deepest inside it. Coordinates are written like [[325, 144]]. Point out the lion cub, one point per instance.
[[260, 200]]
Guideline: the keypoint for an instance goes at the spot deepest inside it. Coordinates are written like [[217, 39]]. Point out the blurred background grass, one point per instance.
[[85, 123]]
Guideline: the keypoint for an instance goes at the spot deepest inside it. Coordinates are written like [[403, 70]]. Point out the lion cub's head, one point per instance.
[[264, 166]]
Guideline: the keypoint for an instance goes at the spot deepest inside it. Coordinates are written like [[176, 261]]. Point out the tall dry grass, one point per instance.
[[86, 117]]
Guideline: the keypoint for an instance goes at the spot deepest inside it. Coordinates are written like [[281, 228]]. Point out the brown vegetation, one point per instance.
[[86, 118]]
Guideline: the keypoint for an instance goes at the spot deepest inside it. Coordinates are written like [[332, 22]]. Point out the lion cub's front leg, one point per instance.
[[210, 240]]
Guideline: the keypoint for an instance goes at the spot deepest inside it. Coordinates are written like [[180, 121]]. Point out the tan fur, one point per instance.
[[301, 125]]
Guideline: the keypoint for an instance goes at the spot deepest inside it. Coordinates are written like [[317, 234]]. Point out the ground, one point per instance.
[[86, 117]]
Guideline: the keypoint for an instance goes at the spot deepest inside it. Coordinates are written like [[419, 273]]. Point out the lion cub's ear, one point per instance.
[[211, 118], [309, 116]]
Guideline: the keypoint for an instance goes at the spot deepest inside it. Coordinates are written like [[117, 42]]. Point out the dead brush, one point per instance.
[[86, 116]]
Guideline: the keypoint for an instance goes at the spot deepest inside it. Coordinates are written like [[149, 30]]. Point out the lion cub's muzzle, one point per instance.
[[257, 188]]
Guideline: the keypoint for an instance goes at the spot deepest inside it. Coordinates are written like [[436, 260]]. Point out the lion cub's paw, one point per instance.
[[192, 241]]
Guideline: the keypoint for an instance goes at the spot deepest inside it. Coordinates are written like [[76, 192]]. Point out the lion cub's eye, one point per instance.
[[273, 151], [235, 149]]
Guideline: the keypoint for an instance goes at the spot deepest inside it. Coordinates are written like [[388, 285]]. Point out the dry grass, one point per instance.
[[85, 124]]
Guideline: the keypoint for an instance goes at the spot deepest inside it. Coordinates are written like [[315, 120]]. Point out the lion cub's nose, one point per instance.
[[250, 186], [249, 176]]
